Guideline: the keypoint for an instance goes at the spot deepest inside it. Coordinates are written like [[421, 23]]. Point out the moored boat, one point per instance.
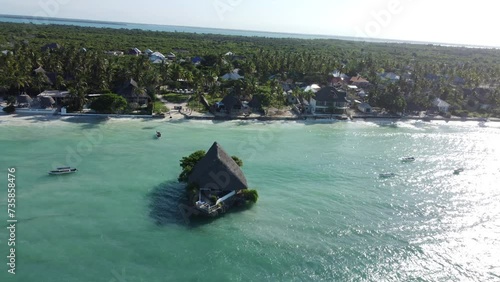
[[158, 134], [408, 159], [63, 170], [387, 175]]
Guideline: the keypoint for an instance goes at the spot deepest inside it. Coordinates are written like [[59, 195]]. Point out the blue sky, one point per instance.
[[469, 23]]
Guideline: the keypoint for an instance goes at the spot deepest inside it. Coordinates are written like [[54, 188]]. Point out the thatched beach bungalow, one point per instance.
[[220, 182]]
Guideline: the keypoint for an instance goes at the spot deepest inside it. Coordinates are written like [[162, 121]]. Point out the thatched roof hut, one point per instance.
[[49, 77], [47, 101], [130, 91], [256, 102], [24, 99], [218, 171], [231, 103]]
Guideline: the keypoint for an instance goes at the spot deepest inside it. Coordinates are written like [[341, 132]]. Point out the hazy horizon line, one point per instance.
[[312, 35]]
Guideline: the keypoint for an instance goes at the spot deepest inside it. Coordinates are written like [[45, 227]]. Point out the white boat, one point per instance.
[[387, 175], [63, 170], [408, 159]]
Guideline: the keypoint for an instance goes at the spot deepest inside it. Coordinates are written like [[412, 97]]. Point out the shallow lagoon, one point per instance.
[[323, 212]]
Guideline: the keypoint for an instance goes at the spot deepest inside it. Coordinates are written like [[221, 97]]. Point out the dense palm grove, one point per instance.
[[466, 78]]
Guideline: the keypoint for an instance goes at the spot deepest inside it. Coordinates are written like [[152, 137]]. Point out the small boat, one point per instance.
[[458, 171], [63, 170], [387, 175], [408, 159], [158, 134]]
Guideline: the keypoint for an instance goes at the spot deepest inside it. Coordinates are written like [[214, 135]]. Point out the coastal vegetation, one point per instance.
[[160, 108], [187, 164], [108, 104], [78, 59]]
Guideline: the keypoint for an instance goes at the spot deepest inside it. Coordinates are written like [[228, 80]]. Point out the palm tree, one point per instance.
[[307, 94], [78, 96]]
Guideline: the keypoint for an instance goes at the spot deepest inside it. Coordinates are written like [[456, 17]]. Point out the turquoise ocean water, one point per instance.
[[323, 214]]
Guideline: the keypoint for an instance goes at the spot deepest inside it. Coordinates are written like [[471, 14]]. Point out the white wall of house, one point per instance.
[[312, 105], [441, 105], [364, 108]]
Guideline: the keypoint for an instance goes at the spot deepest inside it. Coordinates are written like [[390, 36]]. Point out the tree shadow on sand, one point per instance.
[[168, 205]]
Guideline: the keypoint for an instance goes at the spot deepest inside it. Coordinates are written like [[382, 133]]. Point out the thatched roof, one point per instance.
[[256, 102], [218, 171], [47, 101], [40, 70], [24, 99], [231, 102], [130, 90], [330, 94]]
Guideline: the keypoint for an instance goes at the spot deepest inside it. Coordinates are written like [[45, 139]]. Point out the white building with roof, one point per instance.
[[155, 56], [441, 105]]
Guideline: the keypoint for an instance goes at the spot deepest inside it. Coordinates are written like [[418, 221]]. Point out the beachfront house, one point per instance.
[[329, 101], [133, 94], [24, 101], [219, 180], [52, 98], [231, 105], [441, 105], [365, 108]]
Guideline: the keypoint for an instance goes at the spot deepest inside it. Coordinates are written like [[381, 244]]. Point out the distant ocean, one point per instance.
[[203, 30]]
